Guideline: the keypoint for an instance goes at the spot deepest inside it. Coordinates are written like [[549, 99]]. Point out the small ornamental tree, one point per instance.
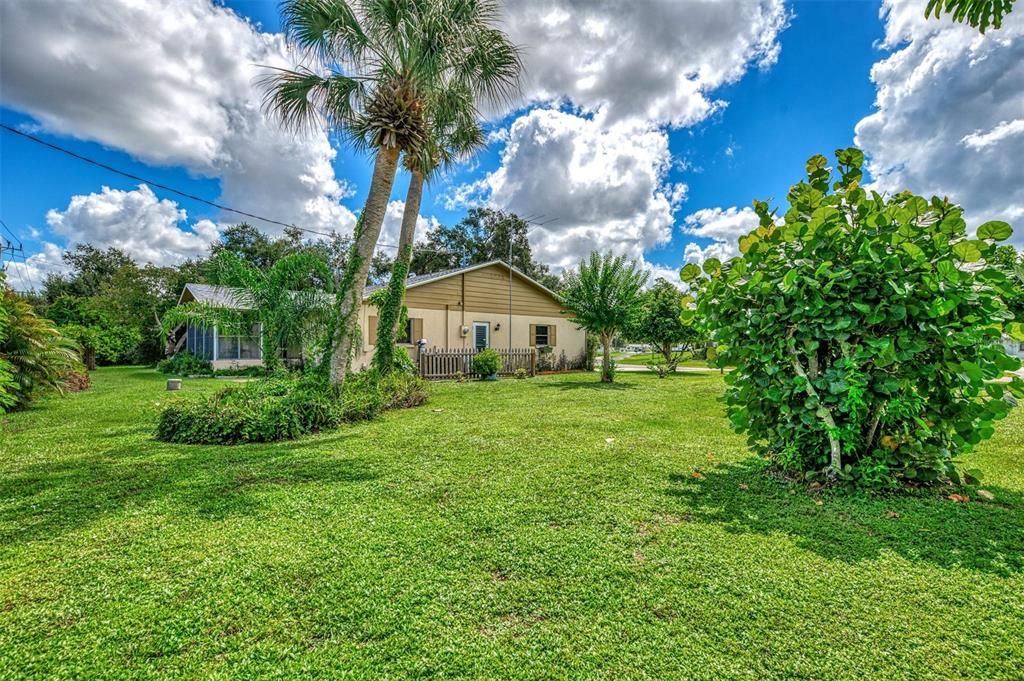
[[603, 298], [666, 321], [864, 331]]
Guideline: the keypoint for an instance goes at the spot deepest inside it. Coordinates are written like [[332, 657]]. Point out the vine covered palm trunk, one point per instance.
[[390, 313], [350, 290]]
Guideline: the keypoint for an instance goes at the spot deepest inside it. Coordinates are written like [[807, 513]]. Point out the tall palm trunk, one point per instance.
[[350, 291], [390, 314]]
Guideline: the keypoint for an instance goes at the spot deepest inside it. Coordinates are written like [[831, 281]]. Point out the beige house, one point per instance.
[[482, 306]]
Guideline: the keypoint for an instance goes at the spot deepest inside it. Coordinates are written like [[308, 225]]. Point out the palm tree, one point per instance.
[[377, 64], [603, 296], [281, 300], [978, 13], [34, 355], [455, 135]]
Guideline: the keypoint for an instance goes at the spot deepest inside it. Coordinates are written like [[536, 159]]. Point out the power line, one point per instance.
[[191, 197]]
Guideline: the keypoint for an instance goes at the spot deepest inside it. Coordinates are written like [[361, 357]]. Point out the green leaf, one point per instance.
[[967, 251], [995, 229], [913, 250], [689, 273], [972, 371], [712, 267], [789, 279]]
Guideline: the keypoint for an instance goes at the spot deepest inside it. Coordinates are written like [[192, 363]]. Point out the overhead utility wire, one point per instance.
[[191, 197]]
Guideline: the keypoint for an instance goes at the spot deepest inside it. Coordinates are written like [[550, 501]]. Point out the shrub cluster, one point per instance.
[[185, 364], [486, 363], [864, 331], [285, 407]]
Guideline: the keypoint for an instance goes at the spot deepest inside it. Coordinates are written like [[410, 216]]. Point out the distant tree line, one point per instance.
[[114, 307]]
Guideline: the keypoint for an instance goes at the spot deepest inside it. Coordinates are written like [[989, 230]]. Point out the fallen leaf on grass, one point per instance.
[[744, 486], [959, 498], [609, 440], [697, 474], [986, 495], [819, 502], [892, 514]]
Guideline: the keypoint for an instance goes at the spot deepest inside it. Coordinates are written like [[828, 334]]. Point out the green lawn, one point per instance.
[[547, 528], [646, 358]]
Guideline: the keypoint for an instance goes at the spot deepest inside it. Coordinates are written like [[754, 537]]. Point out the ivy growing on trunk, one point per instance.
[[864, 331]]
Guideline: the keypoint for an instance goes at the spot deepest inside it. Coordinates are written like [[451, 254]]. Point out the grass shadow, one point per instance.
[[586, 385], [44, 501], [851, 527]]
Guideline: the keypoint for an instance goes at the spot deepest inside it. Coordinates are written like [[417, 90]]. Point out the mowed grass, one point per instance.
[[645, 358], [537, 529]]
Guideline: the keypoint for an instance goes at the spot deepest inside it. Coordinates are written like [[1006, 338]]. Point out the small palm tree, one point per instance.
[[455, 134], [34, 355], [377, 64], [281, 300], [603, 296]]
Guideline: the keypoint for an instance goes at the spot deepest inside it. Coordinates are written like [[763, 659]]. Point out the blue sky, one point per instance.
[[763, 106]]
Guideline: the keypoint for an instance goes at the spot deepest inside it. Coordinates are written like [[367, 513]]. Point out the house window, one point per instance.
[[406, 335], [199, 341], [543, 335], [540, 335], [238, 346], [481, 335]]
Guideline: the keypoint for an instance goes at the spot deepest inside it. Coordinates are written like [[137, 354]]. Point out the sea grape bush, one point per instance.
[[864, 331]]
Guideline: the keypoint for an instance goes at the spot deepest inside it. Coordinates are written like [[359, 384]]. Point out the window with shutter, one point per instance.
[[541, 337]]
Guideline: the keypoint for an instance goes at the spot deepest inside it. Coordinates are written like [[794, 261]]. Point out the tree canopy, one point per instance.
[[604, 296], [864, 331], [483, 235]]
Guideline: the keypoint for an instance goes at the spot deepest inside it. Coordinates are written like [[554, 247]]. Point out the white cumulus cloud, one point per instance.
[[144, 226], [950, 113], [724, 226], [655, 61], [171, 83]]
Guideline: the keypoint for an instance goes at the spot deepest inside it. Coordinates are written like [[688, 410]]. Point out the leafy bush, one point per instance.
[[521, 373], [185, 364], [34, 356], [486, 363], [285, 407], [248, 372], [864, 331]]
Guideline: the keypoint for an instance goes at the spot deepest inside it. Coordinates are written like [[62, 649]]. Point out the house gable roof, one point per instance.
[[234, 299], [421, 279]]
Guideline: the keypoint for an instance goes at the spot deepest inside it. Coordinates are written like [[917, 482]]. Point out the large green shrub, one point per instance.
[[864, 331], [285, 407], [486, 363]]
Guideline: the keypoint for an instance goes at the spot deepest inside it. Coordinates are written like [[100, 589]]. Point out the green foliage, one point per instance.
[[604, 297], [978, 13], [391, 311], [482, 236], [521, 373], [665, 321], [865, 332], [486, 363], [107, 344], [34, 355], [184, 363], [285, 407], [288, 301]]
